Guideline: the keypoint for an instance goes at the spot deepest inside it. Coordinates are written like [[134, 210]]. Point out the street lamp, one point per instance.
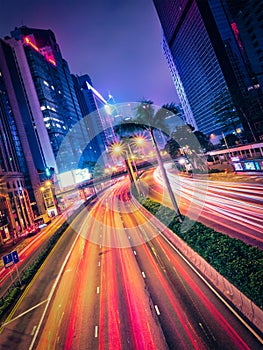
[[119, 149]]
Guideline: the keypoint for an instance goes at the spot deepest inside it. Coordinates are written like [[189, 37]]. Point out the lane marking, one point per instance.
[[207, 283], [99, 263], [157, 310], [98, 290], [213, 289], [24, 313], [143, 275], [53, 289], [134, 252], [96, 331], [33, 330]]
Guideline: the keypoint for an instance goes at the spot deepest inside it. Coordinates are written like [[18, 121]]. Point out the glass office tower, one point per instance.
[[54, 89], [201, 40]]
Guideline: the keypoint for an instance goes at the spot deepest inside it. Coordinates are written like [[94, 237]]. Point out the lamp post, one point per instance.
[[119, 149]]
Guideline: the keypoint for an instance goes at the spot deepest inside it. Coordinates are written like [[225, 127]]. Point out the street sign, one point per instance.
[[8, 260], [15, 256], [11, 258]]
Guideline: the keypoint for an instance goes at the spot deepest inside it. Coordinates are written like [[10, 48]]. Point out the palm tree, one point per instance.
[[147, 119], [152, 121]]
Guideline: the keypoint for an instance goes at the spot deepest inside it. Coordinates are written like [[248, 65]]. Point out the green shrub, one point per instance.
[[238, 262]]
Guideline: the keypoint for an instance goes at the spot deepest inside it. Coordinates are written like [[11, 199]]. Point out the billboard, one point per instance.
[[73, 177]]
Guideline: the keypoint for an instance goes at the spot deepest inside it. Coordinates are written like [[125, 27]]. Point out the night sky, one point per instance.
[[116, 42]]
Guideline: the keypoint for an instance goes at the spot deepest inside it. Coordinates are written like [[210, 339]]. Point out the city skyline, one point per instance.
[[128, 63]]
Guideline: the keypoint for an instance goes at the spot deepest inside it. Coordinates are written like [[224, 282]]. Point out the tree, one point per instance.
[[203, 140], [173, 148], [190, 146], [154, 122], [146, 119]]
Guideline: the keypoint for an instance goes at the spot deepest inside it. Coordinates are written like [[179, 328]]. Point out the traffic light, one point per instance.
[[49, 172]]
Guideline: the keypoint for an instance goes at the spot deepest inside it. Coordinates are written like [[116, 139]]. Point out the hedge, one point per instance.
[[238, 262]]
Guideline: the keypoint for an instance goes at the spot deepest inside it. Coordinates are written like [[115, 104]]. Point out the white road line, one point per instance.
[[208, 284], [212, 289], [157, 310], [54, 287], [98, 290], [33, 330], [25, 312], [100, 245], [143, 275], [134, 252], [96, 331], [99, 263]]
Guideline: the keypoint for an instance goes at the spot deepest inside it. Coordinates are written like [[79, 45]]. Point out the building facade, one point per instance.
[[39, 59], [89, 106], [16, 206], [201, 38]]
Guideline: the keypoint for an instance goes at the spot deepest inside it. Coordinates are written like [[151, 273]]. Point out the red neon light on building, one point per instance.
[[49, 58], [236, 33], [27, 41], [52, 60]]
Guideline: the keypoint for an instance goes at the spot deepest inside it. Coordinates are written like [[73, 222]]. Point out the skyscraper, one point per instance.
[[89, 106], [200, 37], [38, 58], [16, 190], [18, 115]]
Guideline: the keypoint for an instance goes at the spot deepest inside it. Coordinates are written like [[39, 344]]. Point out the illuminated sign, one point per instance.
[[73, 177], [238, 166], [250, 166], [235, 159]]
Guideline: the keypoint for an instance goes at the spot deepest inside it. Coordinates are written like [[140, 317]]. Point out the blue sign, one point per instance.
[[15, 256], [11, 258]]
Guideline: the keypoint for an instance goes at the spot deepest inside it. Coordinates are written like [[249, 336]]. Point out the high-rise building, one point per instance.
[[247, 22], [17, 197], [207, 63], [56, 109], [90, 110]]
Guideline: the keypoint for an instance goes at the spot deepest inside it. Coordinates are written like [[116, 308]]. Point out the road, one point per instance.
[[28, 250], [233, 208], [114, 282]]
